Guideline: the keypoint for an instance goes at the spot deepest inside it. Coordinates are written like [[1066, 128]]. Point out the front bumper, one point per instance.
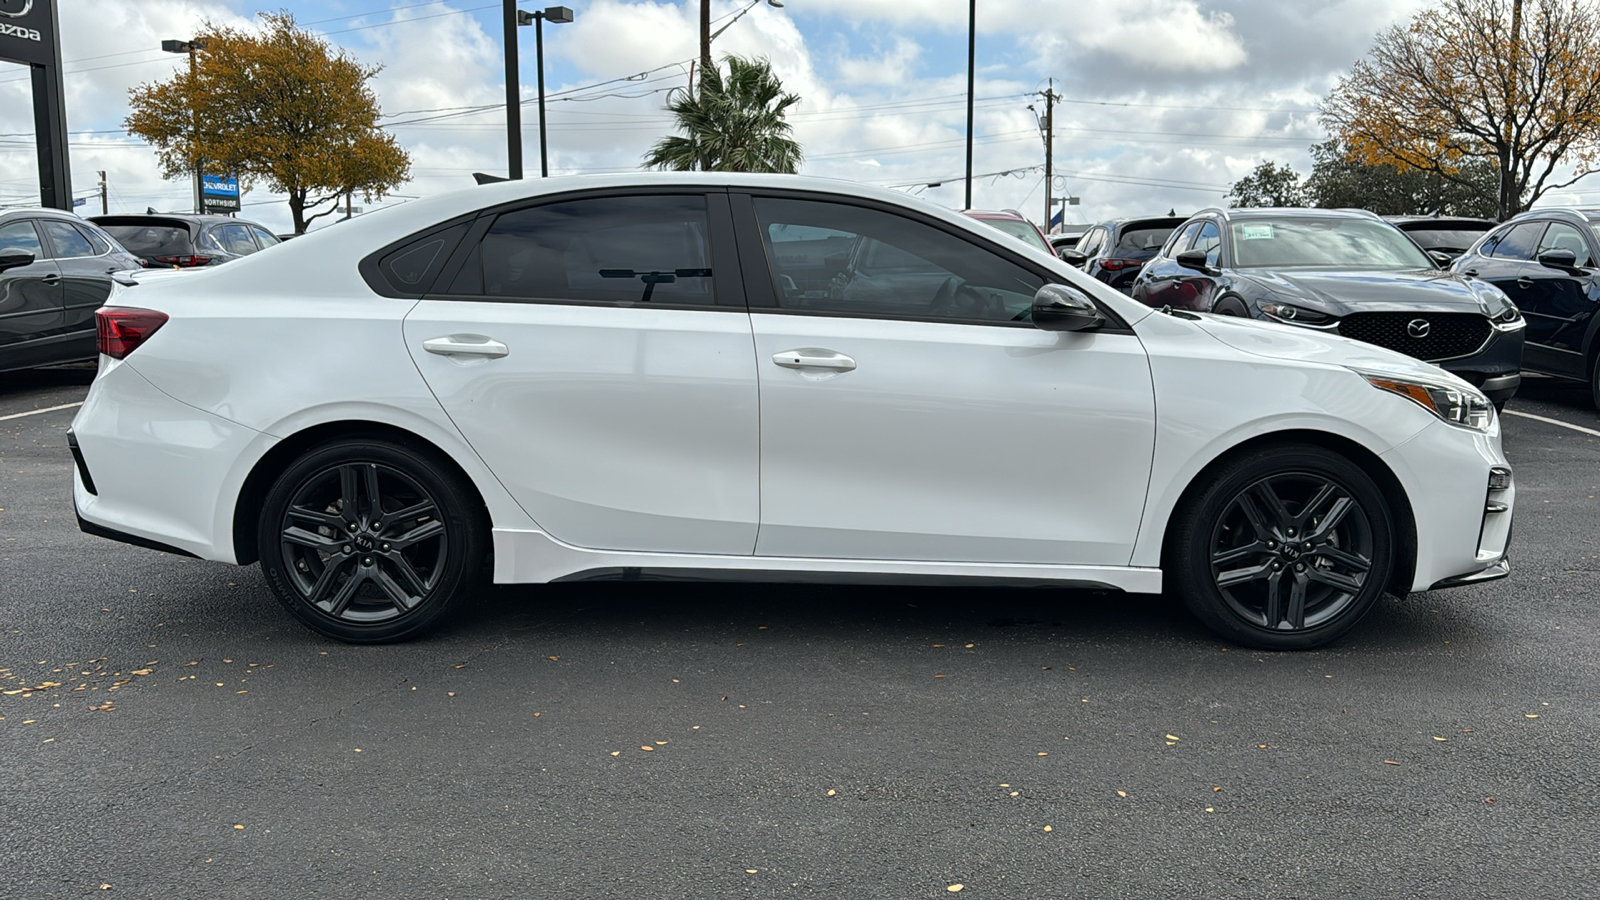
[[1463, 533]]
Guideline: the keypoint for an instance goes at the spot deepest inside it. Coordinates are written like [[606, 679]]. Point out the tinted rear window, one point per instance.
[[152, 240], [1146, 240], [1445, 238]]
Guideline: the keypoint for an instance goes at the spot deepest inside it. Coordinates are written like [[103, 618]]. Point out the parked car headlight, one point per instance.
[[1295, 315], [1502, 312], [1459, 405]]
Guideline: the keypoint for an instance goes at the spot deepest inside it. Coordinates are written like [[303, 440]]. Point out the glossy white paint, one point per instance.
[[615, 438], [971, 443], [622, 429]]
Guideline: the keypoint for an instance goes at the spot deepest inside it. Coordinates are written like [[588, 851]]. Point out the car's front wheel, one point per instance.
[[1282, 548], [368, 540]]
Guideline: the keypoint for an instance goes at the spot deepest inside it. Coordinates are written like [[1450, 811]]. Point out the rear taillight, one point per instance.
[[1117, 265], [121, 329], [183, 262]]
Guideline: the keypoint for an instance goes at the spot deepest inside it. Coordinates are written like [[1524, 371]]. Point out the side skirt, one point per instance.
[[522, 557]]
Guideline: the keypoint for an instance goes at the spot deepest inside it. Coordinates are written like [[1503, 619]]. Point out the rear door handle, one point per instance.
[[814, 358], [1525, 282], [51, 279], [466, 345]]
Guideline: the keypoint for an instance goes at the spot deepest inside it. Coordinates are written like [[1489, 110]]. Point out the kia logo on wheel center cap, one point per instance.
[[1418, 328]]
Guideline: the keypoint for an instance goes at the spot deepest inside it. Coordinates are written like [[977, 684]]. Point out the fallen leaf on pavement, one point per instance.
[[1390, 762], [1122, 793]]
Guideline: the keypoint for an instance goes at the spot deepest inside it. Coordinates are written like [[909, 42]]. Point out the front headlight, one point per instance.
[[1458, 405], [1296, 315], [1503, 314]]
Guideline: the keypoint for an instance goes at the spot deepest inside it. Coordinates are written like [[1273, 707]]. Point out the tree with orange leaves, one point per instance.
[[1513, 82], [280, 107]]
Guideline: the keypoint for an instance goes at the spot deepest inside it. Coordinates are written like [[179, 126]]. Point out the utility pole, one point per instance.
[[513, 94], [1050, 98], [105, 208]]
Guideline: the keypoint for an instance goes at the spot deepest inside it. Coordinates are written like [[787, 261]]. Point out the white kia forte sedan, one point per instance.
[[764, 377]]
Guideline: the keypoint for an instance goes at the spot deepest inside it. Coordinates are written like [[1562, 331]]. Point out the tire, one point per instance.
[[1230, 306], [1594, 383], [368, 577], [1253, 554]]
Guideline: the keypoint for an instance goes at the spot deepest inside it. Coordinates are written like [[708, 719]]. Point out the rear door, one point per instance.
[[30, 296], [85, 279], [596, 352]]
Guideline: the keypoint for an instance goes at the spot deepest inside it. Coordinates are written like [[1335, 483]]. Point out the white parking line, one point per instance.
[[40, 412], [1512, 412]]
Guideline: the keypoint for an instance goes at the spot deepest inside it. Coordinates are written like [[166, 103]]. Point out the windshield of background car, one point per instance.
[[1020, 229], [152, 240], [1454, 240], [1328, 243], [1141, 241]]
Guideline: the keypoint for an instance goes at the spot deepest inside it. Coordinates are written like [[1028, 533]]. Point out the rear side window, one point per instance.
[[21, 236], [410, 269], [66, 241], [152, 240], [97, 242], [653, 249], [1519, 242]]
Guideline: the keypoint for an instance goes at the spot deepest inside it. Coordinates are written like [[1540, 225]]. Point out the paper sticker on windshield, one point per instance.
[[1255, 232]]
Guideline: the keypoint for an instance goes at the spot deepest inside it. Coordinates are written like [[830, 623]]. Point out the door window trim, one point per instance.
[[759, 273]]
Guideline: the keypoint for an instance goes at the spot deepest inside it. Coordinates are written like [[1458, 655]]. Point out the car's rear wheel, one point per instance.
[[367, 540], [1283, 548]]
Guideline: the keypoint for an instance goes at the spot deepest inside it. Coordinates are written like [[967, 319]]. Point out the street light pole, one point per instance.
[[972, 56], [558, 15], [189, 47], [513, 93]]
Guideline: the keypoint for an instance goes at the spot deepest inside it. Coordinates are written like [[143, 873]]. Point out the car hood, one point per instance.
[[1274, 341], [1340, 293]]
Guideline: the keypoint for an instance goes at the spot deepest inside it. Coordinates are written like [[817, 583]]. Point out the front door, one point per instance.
[[932, 421], [596, 353]]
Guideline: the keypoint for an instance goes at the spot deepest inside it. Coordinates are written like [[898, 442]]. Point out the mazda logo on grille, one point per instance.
[[1418, 328], [15, 9]]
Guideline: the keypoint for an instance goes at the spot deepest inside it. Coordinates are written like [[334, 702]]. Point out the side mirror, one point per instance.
[[1565, 260], [12, 257], [1193, 259], [1058, 307], [1072, 257], [1441, 258]]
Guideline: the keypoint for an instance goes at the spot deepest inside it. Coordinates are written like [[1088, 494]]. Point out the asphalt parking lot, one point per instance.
[[169, 732]]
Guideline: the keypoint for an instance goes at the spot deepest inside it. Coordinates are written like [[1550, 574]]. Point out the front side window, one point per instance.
[[652, 249], [66, 240], [1520, 242], [21, 236], [1323, 242], [1180, 242], [897, 267], [1561, 236], [264, 237], [1209, 240]]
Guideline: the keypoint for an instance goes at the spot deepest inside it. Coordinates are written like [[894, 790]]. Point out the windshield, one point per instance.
[[1331, 242], [1020, 229]]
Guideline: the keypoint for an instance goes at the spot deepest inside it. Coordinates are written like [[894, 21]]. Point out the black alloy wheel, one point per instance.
[[366, 541], [1286, 548]]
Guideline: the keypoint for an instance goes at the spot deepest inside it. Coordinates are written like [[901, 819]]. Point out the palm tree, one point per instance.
[[737, 123]]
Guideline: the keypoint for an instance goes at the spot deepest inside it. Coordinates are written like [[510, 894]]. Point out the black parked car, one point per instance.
[[186, 241], [1113, 251], [55, 271], [1348, 272], [1444, 237], [1545, 261]]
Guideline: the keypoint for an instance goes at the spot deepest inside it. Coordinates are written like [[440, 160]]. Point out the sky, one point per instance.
[[1165, 102]]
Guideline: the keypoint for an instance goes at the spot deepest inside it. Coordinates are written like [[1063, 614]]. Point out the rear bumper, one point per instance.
[[154, 472]]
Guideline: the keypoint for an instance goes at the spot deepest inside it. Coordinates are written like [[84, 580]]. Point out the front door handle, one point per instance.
[[466, 345], [814, 358], [1471, 272], [51, 279], [1525, 282]]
